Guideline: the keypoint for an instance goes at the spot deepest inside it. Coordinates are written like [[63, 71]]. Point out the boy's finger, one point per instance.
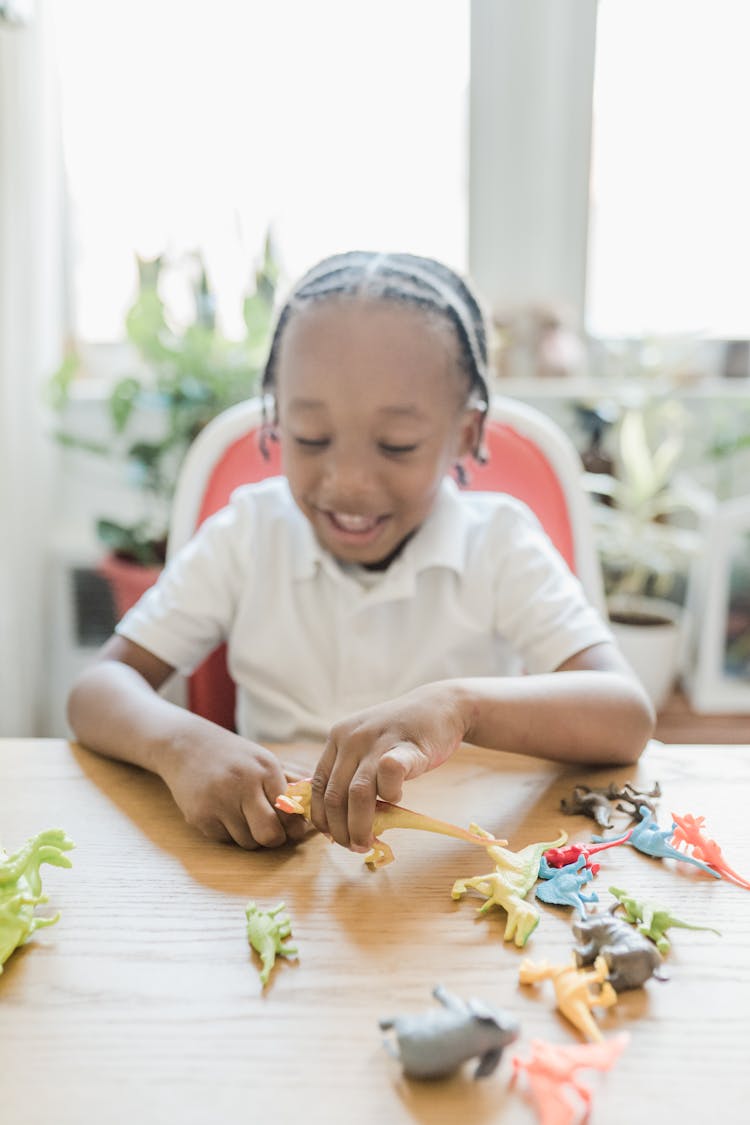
[[262, 821], [396, 766], [320, 784], [362, 797]]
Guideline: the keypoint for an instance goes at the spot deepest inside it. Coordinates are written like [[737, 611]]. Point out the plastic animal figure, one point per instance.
[[551, 1072], [564, 885], [267, 931], [652, 840], [298, 797], [514, 875], [587, 802], [21, 887], [574, 999], [631, 957], [595, 802], [653, 920], [563, 857], [688, 832], [435, 1043]]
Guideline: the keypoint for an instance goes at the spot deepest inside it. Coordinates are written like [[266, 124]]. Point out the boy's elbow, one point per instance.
[[637, 725]]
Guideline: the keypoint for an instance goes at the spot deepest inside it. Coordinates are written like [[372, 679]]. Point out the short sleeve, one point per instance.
[[191, 608], [540, 606]]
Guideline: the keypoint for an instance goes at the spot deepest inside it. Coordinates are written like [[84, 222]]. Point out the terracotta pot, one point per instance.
[[127, 580]]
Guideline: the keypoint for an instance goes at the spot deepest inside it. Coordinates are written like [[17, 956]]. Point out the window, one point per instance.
[[670, 224], [190, 125]]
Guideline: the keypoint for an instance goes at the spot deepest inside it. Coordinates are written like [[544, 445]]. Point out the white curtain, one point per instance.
[[31, 305]]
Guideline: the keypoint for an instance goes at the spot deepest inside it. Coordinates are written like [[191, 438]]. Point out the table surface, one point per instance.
[[144, 1004]]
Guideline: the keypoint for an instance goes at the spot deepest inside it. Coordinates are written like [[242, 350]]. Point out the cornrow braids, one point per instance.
[[404, 279]]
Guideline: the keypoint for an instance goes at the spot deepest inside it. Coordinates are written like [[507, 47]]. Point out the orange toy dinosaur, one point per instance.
[[689, 833], [551, 1075], [298, 798]]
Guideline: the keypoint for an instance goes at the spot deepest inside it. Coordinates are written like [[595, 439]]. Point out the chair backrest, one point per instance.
[[530, 458]]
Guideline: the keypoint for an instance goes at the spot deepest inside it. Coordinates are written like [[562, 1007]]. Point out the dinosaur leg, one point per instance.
[[379, 856]]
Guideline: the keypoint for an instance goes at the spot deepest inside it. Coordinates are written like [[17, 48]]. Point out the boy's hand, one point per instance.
[[226, 786], [372, 753]]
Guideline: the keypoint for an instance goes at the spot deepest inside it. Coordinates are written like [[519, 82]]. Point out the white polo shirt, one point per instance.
[[479, 590]]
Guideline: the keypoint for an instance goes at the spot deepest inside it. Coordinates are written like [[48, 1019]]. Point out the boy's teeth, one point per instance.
[[354, 523]]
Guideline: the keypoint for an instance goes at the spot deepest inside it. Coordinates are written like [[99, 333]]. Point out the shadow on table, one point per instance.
[[145, 801]]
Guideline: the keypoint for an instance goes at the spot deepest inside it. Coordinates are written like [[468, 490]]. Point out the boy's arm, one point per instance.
[[224, 785], [595, 713], [591, 710]]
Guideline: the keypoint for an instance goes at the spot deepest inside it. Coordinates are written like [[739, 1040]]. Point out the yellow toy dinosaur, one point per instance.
[[298, 797], [574, 999], [514, 875]]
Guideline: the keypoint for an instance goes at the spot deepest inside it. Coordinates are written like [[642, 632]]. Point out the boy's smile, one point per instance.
[[371, 405]]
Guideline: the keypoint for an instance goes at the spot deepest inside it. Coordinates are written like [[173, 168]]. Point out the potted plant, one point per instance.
[[181, 378], [646, 525]]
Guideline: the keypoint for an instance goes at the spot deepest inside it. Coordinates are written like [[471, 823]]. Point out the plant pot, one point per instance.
[[648, 632], [127, 580]]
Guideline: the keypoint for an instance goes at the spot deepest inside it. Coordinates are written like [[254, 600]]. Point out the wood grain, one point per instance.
[[143, 1004]]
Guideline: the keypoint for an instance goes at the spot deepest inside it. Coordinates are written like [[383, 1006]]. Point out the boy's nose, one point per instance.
[[348, 480]]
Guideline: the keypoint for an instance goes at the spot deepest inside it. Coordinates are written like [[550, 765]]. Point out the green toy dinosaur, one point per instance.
[[266, 931], [514, 875], [21, 887], [652, 920]]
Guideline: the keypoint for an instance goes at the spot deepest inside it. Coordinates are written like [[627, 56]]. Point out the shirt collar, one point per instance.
[[441, 541]]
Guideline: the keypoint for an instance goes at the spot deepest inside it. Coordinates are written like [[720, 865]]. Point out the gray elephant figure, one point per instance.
[[434, 1044], [630, 957]]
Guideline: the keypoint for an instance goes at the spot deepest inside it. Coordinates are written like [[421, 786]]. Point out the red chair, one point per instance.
[[530, 458]]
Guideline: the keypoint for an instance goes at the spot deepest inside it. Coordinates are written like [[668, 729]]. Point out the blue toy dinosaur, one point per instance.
[[652, 840], [563, 886]]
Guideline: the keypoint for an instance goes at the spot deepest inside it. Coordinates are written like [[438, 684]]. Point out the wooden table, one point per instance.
[[143, 1003]]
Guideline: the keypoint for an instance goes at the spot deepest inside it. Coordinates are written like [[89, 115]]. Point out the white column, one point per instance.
[[532, 73]]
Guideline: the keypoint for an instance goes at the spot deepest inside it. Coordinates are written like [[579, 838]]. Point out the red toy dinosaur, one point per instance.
[[561, 857]]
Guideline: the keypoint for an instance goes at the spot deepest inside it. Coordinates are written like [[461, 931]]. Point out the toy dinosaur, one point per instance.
[[571, 984], [688, 832], [594, 803], [266, 931], [434, 1044], [21, 887], [652, 840], [514, 875], [563, 886], [631, 957], [563, 857], [298, 796], [551, 1071], [653, 920], [586, 802]]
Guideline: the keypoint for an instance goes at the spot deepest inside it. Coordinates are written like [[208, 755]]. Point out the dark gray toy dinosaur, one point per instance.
[[435, 1043], [631, 958]]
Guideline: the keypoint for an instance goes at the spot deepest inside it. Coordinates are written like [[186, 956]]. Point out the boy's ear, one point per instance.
[[471, 432]]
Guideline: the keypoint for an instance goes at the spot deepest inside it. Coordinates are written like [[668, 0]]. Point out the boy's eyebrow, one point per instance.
[[408, 409], [411, 409]]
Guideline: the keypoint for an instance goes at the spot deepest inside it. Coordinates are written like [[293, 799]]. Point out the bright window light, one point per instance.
[[190, 125], [670, 216]]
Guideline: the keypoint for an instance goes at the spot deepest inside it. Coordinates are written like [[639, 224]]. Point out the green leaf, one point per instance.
[[122, 401], [57, 390]]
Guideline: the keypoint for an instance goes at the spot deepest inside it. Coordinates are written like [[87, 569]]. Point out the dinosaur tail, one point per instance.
[[395, 816]]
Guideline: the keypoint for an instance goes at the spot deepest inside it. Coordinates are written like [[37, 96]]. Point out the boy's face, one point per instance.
[[372, 412]]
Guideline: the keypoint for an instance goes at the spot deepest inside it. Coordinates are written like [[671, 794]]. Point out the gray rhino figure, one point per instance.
[[434, 1044], [631, 957]]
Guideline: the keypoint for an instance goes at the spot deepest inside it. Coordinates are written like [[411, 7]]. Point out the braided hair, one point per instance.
[[403, 279]]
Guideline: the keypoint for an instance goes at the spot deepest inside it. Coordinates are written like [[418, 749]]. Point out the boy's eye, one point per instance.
[[395, 450], [311, 443]]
